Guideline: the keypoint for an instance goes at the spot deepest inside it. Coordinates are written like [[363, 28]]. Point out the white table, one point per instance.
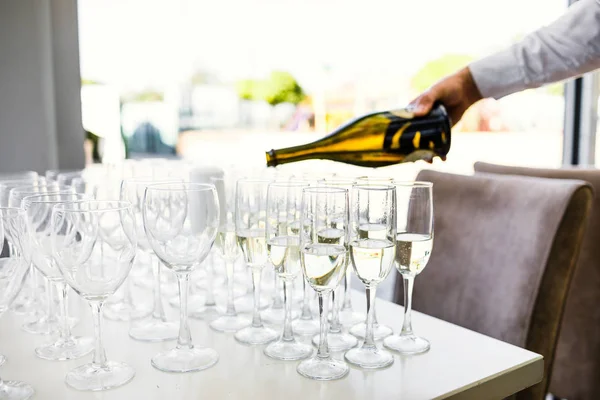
[[461, 364]]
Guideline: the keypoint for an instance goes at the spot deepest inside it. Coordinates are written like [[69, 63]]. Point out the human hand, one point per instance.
[[456, 92]]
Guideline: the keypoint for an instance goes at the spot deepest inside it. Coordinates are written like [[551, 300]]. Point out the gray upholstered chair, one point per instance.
[[504, 252], [576, 372]]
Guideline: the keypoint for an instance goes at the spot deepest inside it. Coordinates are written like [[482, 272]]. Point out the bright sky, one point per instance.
[[135, 44]]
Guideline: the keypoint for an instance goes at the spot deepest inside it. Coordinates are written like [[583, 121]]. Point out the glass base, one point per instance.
[[407, 344], [44, 326], [288, 350], [126, 312], [185, 359], [369, 357], [206, 313], [337, 341], [253, 335], [276, 316], [306, 326], [323, 369], [230, 323], [349, 317], [154, 330], [379, 331], [15, 390], [71, 349], [93, 377], [245, 304]]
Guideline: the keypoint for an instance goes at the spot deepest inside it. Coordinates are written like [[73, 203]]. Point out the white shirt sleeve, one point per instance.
[[568, 47]]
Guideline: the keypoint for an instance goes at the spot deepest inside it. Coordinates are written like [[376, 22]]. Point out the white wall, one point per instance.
[[40, 106]]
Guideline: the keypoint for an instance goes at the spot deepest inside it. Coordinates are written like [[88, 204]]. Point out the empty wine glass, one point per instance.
[[250, 228], [13, 272], [284, 202], [155, 327], [94, 245], [17, 194], [323, 252], [372, 252], [181, 222], [6, 186], [414, 241], [226, 244], [359, 330], [38, 214], [52, 174], [11, 176]]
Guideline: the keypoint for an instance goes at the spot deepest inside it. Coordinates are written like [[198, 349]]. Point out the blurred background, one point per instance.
[[220, 82]]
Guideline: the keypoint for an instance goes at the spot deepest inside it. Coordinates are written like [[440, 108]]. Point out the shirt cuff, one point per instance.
[[498, 75]]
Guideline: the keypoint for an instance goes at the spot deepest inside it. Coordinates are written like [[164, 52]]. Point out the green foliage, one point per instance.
[[435, 70], [145, 96], [280, 87], [89, 82]]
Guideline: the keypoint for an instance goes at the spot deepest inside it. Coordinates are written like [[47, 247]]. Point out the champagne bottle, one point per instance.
[[377, 139]]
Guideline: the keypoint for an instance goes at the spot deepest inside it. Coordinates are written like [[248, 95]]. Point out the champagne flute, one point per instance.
[[372, 257], [181, 222], [414, 241], [154, 328], [337, 339], [13, 272], [284, 202], [38, 213], [229, 250], [324, 209], [94, 245], [250, 229], [368, 230]]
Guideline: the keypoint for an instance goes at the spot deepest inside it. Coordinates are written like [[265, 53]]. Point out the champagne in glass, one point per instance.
[[414, 242], [284, 202], [250, 226], [373, 205], [324, 266]]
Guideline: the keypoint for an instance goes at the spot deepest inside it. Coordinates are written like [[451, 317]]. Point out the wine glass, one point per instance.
[[414, 241], [52, 174], [181, 222], [250, 229], [359, 330], [155, 328], [6, 186], [38, 213], [284, 202], [323, 252], [228, 249], [336, 338], [10, 176], [17, 194], [13, 272], [372, 252], [94, 244]]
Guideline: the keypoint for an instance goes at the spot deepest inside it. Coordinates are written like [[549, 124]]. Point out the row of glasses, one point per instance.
[[13, 273]]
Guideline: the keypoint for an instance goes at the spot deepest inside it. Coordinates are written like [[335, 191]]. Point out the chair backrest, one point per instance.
[[505, 249], [576, 372]]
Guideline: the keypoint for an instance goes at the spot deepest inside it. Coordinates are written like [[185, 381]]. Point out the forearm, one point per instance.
[[568, 47]]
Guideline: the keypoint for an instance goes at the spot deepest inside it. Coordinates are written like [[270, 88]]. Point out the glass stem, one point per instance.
[[50, 307], [210, 297], [159, 310], [288, 334], [277, 302], [347, 291], [256, 275], [99, 358], [185, 337], [229, 265], [408, 289], [336, 326], [323, 351], [65, 329], [369, 337], [306, 314]]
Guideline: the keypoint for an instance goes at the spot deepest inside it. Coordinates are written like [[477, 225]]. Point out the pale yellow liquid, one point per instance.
[[331, 236], [284, 254], [254, 246], [323, 265], [373, 231], [372, 259], [412, 252]]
